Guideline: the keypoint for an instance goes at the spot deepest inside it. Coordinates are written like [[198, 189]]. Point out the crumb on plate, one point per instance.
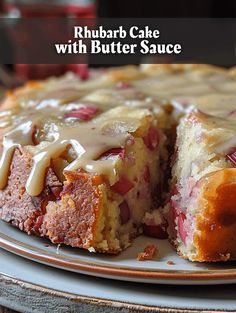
[[148, 253]]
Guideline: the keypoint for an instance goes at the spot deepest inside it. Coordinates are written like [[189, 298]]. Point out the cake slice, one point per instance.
[[202, 210], [79, 173]]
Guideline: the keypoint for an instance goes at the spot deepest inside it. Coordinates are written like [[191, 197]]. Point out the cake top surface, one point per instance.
[[50, 124], [209, 88], [99, 114]]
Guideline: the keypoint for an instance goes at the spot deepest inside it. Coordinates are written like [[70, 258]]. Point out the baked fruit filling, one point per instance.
[[202, 210], [118, 217], [131, 150], [80, 173]]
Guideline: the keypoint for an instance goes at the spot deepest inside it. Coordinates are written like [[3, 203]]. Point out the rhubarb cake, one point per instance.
[[202, 210], [88, 163], [79, 172]]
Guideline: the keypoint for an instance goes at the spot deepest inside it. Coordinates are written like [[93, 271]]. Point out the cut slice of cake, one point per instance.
[[202, 210], [78, 172]]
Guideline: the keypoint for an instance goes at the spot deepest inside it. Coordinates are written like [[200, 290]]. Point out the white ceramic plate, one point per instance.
[[121, 267], [28, 286]]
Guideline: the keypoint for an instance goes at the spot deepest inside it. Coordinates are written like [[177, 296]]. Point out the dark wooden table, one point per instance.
[[4, 310]]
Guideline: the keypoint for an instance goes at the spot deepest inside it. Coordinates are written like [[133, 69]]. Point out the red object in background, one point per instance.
[[42, 71], [38, 71], [63, 9], [79, 69], [53, 8]]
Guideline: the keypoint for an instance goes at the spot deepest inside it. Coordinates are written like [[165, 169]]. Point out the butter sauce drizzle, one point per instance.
[[87, 139]]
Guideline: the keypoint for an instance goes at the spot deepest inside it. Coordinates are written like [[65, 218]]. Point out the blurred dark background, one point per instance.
[[121, 8], [166, 8], [11, 75]]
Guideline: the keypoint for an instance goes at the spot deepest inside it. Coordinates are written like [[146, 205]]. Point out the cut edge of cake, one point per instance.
[[202, 211]]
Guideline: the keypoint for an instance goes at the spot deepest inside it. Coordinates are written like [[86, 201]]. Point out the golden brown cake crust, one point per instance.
[[72, 220], [17, 207], [74, 215], [217, 221], [74, 211], [62, 221]]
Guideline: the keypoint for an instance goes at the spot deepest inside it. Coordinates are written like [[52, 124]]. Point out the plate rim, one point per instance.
[[30, 252], [101, 301]]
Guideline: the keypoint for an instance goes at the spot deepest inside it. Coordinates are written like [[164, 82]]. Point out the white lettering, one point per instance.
[[61, 48], [144, 46], [78, 32], [132, 32], [159, 48], [135, 32], [75, 47], [100, 32], [177, 48], [95, 46]]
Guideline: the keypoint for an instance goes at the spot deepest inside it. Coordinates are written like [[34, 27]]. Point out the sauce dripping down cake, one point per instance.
[[88, 163]]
